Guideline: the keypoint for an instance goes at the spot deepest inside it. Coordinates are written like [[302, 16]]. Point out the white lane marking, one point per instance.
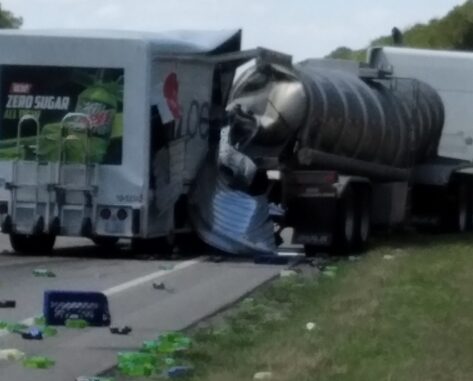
[[290, 254], [127, 285], [147, 278]]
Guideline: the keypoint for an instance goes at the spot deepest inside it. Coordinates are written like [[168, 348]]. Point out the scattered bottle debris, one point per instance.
[[156, 357], [7, 304], [38, 362], [39, 320], [32, 334], [310, 326], [43, 273], [159, 286], [11, 355], [76, 323], [287, 273], [179, 371], [120, 331], [329, 274], [263, 376], [137, 364], [170, 342], [330, 271], [48, 331], [166, 267], [16, 327]]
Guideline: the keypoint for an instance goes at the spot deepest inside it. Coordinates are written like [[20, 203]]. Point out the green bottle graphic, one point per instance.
[[100, 103]]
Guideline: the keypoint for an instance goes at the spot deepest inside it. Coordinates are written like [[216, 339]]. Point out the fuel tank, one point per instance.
[[335, 118]]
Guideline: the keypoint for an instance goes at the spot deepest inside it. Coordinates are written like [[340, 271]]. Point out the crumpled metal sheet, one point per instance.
[[229, 219]]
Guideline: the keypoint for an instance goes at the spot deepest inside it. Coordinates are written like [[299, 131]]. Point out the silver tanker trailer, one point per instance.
[[331, 148]]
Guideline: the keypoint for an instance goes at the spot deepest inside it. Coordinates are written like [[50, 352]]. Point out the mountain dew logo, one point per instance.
[[100, 105]]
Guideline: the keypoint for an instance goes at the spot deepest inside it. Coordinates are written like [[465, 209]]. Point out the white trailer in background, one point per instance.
[[450, 73], [102, 133]]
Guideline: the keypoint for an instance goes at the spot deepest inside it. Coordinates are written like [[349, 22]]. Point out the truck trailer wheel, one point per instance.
[[345, 234], [457, 214], [363, 219], [32, 244]]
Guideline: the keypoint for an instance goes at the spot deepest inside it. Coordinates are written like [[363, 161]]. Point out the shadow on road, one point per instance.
[[122, 251]]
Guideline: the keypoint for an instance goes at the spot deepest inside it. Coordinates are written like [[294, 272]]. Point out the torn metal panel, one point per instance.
[[231, 220]]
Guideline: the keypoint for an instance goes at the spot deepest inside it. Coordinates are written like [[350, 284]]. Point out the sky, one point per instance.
[[302, 28]]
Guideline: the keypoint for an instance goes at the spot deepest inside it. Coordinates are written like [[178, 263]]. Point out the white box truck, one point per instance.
[[102, 134]]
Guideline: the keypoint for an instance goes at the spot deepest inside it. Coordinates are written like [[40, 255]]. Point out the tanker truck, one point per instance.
[[333, 148]]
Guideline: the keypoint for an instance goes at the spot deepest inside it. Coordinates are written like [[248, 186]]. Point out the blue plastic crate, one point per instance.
[[59, 306]]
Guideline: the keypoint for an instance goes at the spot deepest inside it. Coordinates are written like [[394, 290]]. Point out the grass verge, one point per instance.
[[402, 312]]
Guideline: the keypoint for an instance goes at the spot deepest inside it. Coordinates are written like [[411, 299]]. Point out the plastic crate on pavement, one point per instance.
[[59, 306]]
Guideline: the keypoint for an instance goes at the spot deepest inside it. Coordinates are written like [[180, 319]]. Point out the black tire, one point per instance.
[[457, 215], [363, 219], [106, 242], [32, 244], [345, 232], [462, 209]]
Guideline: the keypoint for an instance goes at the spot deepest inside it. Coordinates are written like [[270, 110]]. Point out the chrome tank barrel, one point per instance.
[[340, 120]]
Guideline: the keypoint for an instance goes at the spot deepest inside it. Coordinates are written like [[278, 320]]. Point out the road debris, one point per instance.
[[179, 371], [43, 273], [389, 257], [48, 331], [330, 271], [38, 362], [39, 320], [120, 331], [16, 327], [7, 303], [287, 273], [166, 267], [159, 286], [93, 378], [310, 326], [263, 376], [11, 355], [32, 334], [85, 306], [155, 356], [137, 364], [76, 323]]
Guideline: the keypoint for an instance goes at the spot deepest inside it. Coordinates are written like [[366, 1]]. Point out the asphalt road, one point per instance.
[[195, 288]]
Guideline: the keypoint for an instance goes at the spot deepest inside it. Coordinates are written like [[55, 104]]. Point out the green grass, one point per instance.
[[409, 318]]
